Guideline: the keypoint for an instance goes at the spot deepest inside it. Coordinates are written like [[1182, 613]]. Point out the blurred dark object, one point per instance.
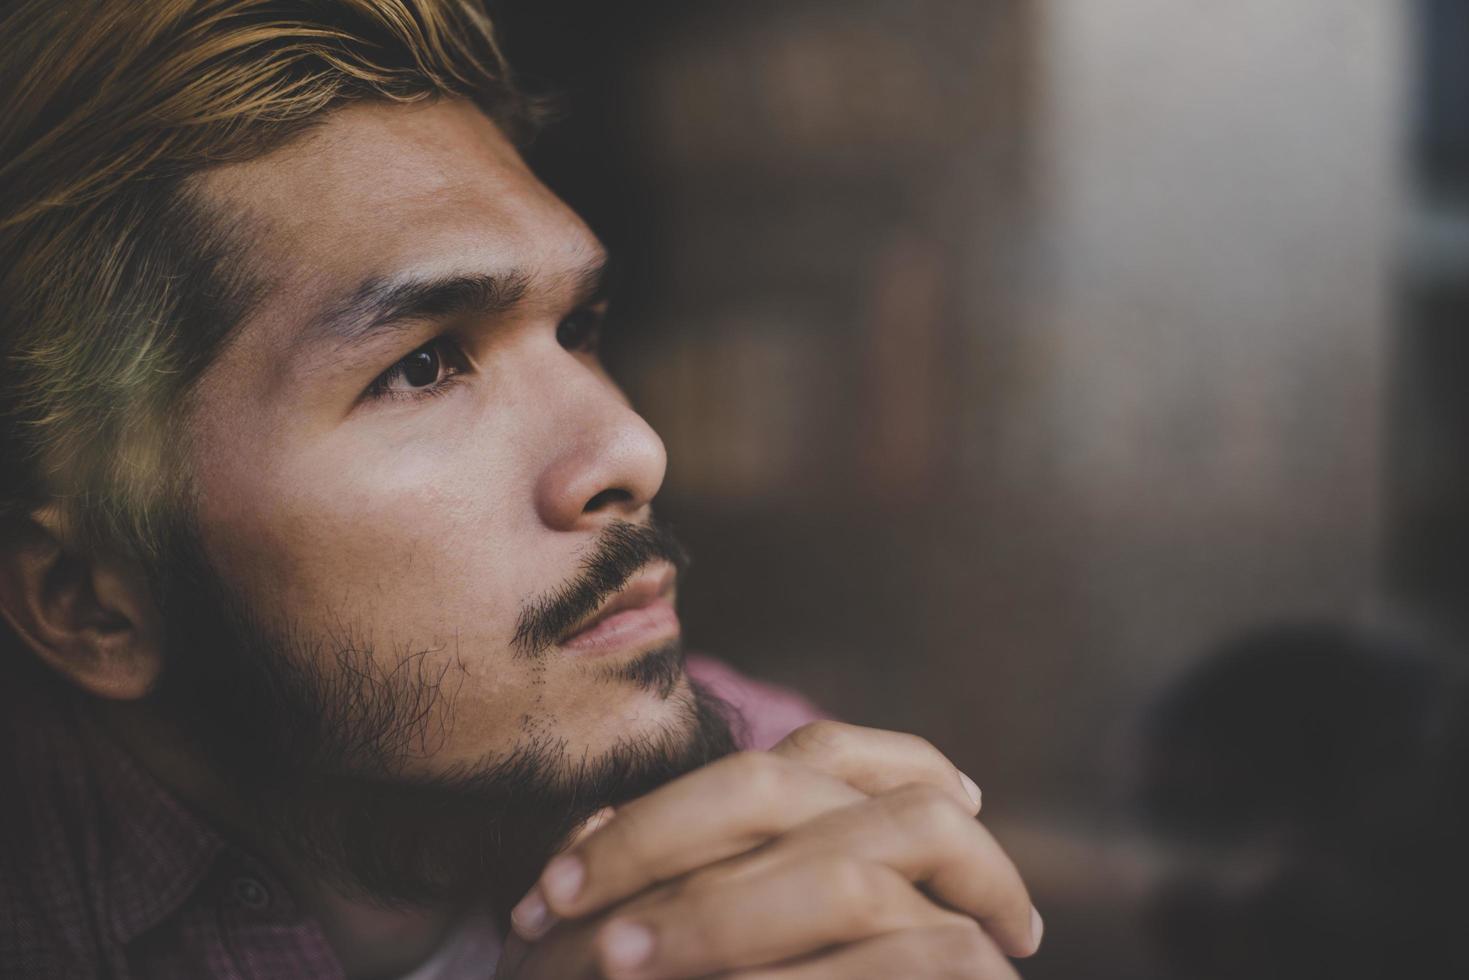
[[1441, 143], [1428, 475], [1313, 783]]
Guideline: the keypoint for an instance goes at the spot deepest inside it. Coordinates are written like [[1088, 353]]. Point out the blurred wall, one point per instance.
[[1218, 191]]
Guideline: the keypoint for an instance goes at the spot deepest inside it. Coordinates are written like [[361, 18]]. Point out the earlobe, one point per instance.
[[90, 618]]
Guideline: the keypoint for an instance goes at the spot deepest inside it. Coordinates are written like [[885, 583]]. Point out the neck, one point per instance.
[[371, 941]]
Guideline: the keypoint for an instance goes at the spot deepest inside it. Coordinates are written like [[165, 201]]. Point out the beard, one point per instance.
[[313, 733]]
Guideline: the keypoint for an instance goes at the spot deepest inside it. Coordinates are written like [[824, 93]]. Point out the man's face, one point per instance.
[[421, 505], [414, 485]]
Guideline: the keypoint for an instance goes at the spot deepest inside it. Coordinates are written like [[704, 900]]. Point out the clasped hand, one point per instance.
[[841, 852]]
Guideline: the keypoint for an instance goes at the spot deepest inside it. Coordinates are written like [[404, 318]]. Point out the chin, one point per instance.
[[636, 719], [659, 672]]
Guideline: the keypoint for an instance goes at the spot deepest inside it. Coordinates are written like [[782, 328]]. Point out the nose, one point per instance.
[[607, 463]]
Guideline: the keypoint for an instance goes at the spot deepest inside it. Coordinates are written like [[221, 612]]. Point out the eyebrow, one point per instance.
[[382, 305]]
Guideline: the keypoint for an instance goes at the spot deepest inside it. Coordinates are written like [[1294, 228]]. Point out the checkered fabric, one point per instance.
[[103, 873]]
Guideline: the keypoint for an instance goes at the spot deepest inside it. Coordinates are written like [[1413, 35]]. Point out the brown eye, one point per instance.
[[421, 368], [429, 370], [580, 330]]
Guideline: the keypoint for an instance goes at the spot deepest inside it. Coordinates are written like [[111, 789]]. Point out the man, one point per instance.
[[338, 605]]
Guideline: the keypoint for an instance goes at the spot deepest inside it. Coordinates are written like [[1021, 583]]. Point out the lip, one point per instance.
[[641, 612]]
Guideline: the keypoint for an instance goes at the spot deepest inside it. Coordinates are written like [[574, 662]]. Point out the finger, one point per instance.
[[954, 952], [723, 809], [567, 953], [593, 824], [531, 916], [875, 761], [714, 922], [921, 834]]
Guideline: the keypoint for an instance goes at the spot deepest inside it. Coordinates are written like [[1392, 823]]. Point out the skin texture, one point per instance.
[[422, 524], [331, 497]]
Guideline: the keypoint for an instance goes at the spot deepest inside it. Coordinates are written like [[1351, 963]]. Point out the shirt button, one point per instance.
[[251, 894]]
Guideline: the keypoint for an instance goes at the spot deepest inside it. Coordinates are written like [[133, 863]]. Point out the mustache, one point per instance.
[[622, 550]]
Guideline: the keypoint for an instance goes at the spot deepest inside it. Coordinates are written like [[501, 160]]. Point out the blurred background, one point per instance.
[[1083, 385]]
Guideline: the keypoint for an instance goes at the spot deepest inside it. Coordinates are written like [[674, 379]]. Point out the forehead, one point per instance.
[[378, 190]]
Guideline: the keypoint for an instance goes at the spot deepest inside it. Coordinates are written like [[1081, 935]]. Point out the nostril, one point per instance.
[[606, 497]]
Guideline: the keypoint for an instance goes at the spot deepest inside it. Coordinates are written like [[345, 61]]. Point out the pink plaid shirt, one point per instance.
[[104, 874]]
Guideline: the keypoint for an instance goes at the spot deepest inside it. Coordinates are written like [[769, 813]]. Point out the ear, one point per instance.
[[90, 618]]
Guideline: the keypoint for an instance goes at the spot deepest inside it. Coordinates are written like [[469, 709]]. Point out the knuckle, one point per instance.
[[920, 750], [927, 811], [860, 891], [919, 745], [822, 736], [928, 755], [762, 775]]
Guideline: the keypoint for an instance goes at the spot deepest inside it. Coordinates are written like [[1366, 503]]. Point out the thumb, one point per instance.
[[593, 824], [530, 917]]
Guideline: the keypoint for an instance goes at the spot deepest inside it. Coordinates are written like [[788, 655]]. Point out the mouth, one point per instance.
[[639, 614]]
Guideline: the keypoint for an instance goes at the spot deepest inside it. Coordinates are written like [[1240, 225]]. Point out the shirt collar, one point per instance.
[[154, 851]]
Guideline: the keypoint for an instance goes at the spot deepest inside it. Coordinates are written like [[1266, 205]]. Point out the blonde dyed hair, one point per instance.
[[117, 286]]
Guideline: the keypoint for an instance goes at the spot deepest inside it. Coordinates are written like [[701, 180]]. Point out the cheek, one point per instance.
[[407, 542]]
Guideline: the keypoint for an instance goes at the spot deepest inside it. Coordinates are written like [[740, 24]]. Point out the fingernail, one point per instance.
[[627, 944], [562, 879], [594, 823], [972, 788], [530, 915], [1037, 929]]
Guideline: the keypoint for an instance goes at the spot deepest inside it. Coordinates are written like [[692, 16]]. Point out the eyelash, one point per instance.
[[452, 360]]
